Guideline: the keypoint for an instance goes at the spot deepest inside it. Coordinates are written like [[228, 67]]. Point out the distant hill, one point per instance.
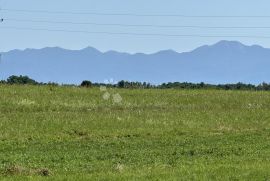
[[223, 62]]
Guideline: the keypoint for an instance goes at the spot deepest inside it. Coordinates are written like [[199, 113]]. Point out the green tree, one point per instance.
[[121, 84], [86, 83], [21, 80]]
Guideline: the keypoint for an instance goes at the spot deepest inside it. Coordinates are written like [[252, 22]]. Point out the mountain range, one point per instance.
[[223, 62]]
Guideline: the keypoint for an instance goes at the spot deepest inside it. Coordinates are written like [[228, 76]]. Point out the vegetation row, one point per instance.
[[25, 80]]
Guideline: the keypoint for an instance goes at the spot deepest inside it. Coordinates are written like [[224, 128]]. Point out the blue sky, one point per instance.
[[20, 39]]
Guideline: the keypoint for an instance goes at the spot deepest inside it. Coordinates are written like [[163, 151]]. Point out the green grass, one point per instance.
[[74, 134]]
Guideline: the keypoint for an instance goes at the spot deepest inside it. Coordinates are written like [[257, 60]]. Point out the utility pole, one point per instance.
[[1, 20]]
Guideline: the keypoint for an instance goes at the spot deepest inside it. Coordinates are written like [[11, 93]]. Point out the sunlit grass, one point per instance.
[[74, 133]]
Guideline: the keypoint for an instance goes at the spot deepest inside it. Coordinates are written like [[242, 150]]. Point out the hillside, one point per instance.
[[223, 62]]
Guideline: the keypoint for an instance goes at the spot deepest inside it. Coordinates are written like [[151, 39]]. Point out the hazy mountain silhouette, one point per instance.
[[223, 62]]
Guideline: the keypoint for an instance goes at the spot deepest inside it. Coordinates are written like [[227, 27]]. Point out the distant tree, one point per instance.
[[121, 84], [86, 83], [21, 80], [202, 85], [264, 86], [3, 82]]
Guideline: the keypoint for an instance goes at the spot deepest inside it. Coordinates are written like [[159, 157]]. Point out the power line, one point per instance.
[[135, 34], [136, 25], [133, 14]]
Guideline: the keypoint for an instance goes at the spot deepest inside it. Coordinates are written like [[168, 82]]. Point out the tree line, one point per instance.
[[25, 80]]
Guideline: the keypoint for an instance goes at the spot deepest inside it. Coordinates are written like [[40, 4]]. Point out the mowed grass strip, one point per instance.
[[73, 133]]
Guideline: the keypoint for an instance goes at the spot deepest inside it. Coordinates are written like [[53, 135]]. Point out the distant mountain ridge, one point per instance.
[[223, 62]]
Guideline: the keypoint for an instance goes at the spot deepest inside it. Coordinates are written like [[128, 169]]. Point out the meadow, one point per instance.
[[72, 133]]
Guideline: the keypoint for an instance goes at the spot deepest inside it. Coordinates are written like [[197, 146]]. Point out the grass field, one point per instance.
[[66, 133]]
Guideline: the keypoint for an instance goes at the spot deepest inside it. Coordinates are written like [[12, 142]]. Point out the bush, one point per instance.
[[21, 80], [86, 83]]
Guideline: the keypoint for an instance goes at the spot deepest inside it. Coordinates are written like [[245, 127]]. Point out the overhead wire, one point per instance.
[[135, 34], [134, 14], [132, 25], [135, 25]]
